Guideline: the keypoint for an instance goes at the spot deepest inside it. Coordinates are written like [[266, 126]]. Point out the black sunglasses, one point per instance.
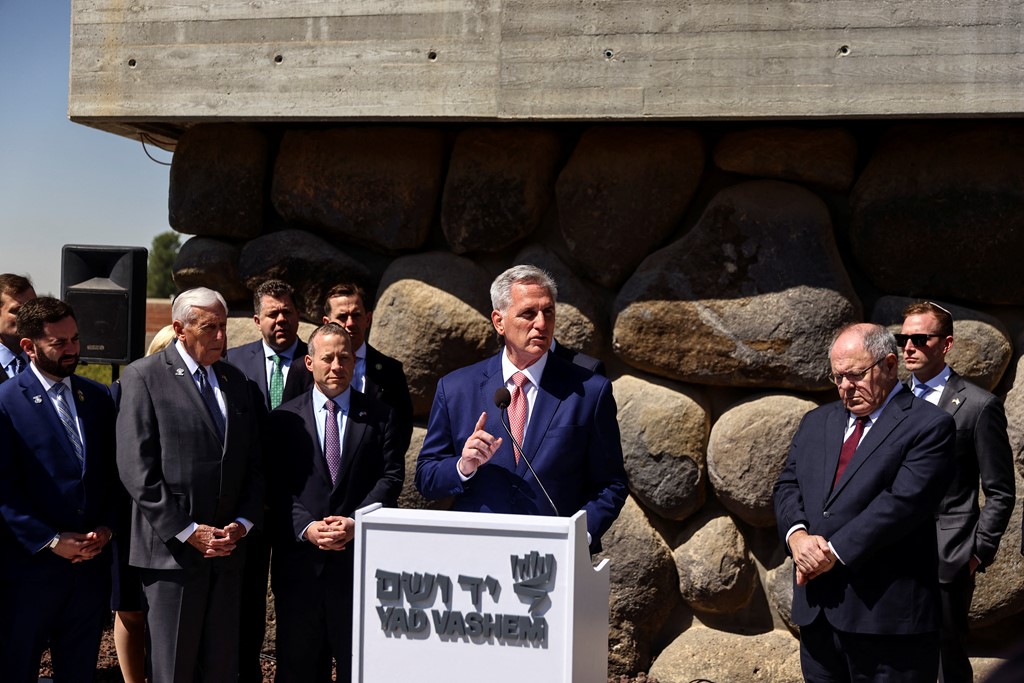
[[919, 340]]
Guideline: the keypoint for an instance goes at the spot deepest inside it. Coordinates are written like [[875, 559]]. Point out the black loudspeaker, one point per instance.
[[106, 286]]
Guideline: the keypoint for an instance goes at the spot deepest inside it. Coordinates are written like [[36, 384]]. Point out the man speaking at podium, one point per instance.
[[562, 415]]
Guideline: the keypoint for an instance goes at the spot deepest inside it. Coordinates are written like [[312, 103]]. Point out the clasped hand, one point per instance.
[[213, 542], [811, 555], [81, 547], [331, 533]]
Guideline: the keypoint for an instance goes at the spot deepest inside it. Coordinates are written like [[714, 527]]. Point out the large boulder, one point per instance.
[[213, 263], [623, 192], [747, 451], [952, 192], [372, 186], [433, 314], [665, 430], [308, 263], [217, 182], [778, 586], [581, 322], [749, 297], [1014, 406], [643, 589], [981, 343], [716, 571], [703, 654], [823, 157], [498, 186]]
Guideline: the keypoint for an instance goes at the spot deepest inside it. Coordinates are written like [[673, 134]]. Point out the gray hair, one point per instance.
[[326, 330], [198, 297], [878, 340], [501, 288]]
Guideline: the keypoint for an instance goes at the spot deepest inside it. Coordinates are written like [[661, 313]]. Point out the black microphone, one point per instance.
[[502, 399]]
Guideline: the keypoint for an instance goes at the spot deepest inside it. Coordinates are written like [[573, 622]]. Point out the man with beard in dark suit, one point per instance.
[[188, 451], [968, 534], [338, 454], [276, 365], [56, 485]]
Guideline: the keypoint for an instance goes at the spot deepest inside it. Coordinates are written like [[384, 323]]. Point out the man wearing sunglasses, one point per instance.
[[968, 535], [855, 506]]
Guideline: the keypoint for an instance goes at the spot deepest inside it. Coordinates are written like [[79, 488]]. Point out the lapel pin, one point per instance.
[[179, 372], [223, 379], [362, 413], [80, 395], [956, 401], [37, 399], [378, 366]]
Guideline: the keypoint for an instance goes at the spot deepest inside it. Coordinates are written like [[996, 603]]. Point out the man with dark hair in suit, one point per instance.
[[276, 365], [341, 456], [968, 535], [855, 507], [376, 375], [564, 417], [56, 483], [188, 451], [15, 290]]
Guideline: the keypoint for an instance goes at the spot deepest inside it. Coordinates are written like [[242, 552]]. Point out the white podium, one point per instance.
[[460, 596]]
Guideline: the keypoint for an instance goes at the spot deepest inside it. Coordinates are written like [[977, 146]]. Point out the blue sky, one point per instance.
[[62, 182]]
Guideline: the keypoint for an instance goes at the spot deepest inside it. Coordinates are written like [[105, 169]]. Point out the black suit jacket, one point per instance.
[[43, 489], [250, 360], [173, 463], [372, 471], [879, 518], [982, 451], [385, 381], [579, 358]]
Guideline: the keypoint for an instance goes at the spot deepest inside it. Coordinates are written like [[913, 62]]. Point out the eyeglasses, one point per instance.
[[919, 340], [852, 377]]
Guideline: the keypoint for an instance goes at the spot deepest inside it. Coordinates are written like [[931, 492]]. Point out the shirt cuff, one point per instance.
[[246, 523], [792, 530], [302, 536], [187, 532], [462, 476], [834, 553]]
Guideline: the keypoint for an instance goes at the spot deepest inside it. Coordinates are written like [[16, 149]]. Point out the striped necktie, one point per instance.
[[64, 413]]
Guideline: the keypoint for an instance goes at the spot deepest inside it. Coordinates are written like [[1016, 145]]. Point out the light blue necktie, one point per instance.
[[922, 390], [69, 423]]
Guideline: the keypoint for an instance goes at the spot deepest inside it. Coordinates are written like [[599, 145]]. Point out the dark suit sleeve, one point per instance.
[[436, 476], [606, 473], [995, 465], [254, 488], [139, 458], [17, 506], [389, 485], [913, 496], [788, 501]]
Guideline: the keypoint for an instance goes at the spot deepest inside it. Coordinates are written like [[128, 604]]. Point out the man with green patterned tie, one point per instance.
[[276, 364]]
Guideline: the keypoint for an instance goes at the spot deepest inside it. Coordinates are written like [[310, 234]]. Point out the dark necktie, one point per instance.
[[211, 401], [518, 409], [850, 447], [332, 443], [64, 413], [276, 382]]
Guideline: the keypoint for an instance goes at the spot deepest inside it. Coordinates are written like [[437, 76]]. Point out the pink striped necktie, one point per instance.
[[517, 410]]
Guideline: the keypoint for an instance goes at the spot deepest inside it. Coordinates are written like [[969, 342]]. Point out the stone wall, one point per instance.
[[706, 264]]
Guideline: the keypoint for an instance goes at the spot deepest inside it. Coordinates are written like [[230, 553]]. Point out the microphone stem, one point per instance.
[[516, 445]]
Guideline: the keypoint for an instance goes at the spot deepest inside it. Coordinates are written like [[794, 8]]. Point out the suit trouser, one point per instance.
[[314, 622], [955, 599], [192, 622], [828, 655], [253, 615], [65, 613]]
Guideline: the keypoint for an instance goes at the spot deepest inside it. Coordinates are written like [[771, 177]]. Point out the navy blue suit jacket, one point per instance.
[[880, 518], [572, 441], [372, 471], [250, 359], [43, 490]]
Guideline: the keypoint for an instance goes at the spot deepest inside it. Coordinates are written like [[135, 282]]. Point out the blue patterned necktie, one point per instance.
[[211, 401], [64, 413]]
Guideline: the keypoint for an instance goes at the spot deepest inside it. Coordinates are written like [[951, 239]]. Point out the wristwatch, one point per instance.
[[53, 542]]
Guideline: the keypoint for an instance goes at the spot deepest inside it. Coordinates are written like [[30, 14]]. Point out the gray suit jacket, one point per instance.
[[982, 451], [173, 463]]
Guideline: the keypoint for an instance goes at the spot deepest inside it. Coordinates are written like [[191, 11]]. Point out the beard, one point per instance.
[[56, 368]]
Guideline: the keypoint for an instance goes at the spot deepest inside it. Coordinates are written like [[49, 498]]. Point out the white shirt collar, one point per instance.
[[288, 354], [534, 372], [46, 381], [937, 383], [190, 362], [343, 400]]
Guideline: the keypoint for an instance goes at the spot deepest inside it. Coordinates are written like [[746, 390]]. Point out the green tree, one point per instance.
[[161, 262]]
